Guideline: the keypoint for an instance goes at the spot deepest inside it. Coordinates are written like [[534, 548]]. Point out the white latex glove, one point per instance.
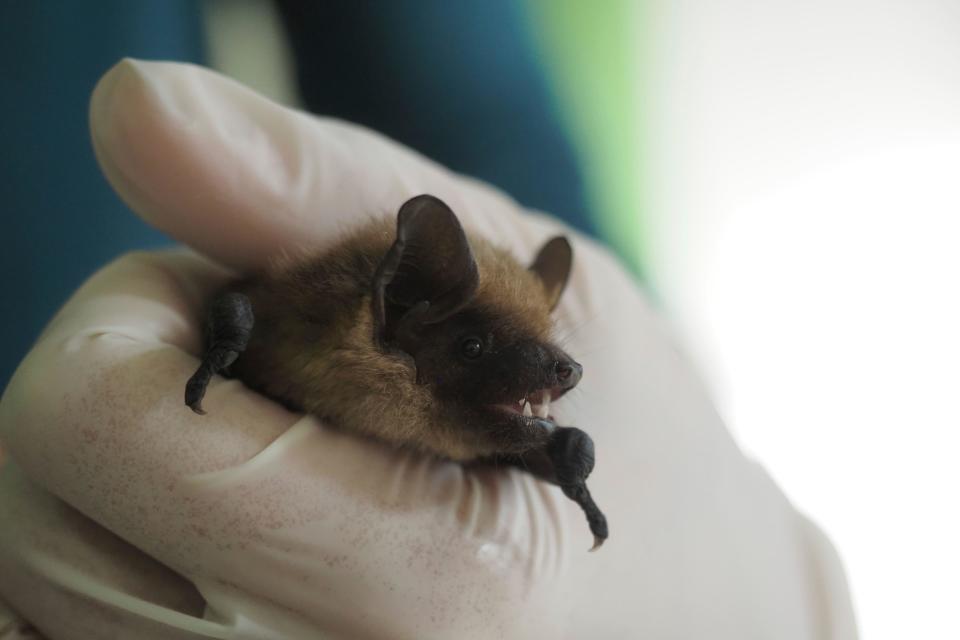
[[253, 522]]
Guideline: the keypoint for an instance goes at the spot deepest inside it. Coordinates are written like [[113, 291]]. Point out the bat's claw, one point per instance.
[[196, 389], [597, 522]]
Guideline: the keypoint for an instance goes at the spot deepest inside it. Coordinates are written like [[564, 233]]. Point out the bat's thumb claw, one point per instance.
[[197, 409], [597, 543]]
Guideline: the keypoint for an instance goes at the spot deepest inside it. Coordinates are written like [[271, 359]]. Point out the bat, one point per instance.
[[411, 333]]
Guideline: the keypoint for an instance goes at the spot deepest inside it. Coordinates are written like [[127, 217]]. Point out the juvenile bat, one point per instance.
[[411, 333]]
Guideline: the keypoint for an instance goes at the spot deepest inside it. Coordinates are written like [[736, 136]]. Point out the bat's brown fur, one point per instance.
[[313, 344], [416, 334]]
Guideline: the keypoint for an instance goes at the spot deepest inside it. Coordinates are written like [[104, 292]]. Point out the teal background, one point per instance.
[[532, 96]]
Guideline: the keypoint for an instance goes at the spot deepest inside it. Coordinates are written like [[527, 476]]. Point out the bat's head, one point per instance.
[[477, 326]]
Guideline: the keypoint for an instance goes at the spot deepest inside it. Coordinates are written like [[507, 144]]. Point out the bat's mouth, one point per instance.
[[534, 405]]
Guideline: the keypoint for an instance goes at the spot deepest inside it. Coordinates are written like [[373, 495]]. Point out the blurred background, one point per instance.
[[783, 177]]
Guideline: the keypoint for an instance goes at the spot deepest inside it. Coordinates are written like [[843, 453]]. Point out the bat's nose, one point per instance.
[[568, 373]]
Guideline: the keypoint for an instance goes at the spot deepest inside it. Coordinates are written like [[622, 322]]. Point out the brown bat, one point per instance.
[[412, 334]]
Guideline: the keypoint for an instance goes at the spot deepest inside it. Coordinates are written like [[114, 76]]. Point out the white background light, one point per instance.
[[804, 194]]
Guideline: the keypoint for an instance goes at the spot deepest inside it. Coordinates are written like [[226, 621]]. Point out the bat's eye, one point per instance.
[[471, 348]]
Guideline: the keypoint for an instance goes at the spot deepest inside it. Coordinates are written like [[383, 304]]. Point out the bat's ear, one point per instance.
[[553, 264], [430, 268]]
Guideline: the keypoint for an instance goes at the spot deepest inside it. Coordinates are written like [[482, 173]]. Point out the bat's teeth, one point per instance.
[[543, 410], [527, 411]]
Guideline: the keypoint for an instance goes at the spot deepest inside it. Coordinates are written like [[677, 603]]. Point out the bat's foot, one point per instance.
[[567, 461], [595, 519], [571, 451], [229, 325]]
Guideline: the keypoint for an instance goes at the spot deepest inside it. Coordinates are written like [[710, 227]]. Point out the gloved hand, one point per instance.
[[275, 526]]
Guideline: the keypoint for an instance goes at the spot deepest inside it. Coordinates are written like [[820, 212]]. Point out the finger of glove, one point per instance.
[[71, 578], [242, 179]]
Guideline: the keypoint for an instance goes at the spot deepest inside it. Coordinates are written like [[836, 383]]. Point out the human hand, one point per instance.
[[289, 529]]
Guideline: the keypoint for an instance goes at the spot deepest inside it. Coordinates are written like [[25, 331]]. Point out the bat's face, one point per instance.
[[496, 377], [477, 327]]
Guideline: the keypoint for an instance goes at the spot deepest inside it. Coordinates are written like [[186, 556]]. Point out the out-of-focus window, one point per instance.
[[801, 180]]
